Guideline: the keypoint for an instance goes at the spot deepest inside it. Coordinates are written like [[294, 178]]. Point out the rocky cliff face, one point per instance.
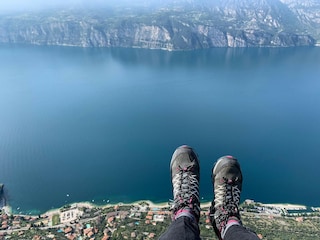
[[308, 13], [228, 23]]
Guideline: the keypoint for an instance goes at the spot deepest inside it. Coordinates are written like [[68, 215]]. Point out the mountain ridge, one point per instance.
[[181, 25]]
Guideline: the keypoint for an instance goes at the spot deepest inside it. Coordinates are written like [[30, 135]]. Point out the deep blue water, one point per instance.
[[101, 124]]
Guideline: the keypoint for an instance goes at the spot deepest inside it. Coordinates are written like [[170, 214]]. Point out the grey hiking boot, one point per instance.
[[185, 176], [227, 183]]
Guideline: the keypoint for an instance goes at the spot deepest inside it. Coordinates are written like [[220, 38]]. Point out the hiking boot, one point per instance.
[[227, 184], [185, 175]]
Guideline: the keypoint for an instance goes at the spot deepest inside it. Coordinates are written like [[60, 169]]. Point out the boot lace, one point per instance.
[[185, 190], [227, 199]]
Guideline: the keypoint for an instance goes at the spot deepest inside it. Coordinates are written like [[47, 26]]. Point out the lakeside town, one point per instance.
[[146, 220]]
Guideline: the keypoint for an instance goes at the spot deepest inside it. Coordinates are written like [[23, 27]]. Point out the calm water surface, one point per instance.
[[102, 124]]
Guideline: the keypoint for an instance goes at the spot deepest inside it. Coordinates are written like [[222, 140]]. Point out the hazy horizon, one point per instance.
[[30, 5]]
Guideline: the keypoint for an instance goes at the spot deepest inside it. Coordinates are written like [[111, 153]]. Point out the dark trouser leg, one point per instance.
[[183, 228], [238, 232]]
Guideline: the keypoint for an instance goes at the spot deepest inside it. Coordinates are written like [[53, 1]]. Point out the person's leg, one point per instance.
[[224, 211], [183, 228], [185, 176], [238, 232]]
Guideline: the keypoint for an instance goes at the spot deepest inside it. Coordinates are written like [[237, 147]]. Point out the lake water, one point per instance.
[[101, 124]]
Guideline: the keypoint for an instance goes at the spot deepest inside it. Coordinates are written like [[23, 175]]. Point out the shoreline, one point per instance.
[[287, 206], [8, 209]]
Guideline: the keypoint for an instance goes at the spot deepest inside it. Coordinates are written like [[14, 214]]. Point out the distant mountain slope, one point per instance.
[[175, 25], [308, 14]]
